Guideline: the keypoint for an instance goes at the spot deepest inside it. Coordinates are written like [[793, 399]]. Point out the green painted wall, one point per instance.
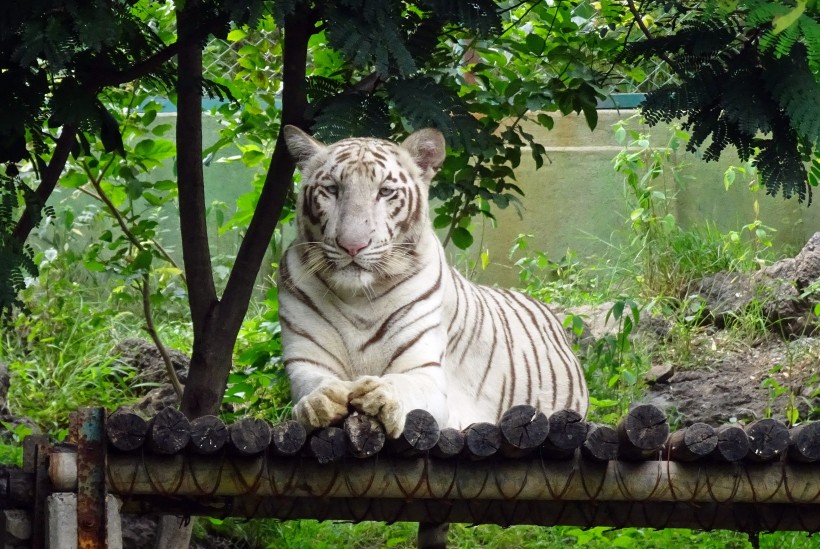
[[576, 200]]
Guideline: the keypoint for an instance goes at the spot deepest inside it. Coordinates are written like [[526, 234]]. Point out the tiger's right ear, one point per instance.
[[301, 146]]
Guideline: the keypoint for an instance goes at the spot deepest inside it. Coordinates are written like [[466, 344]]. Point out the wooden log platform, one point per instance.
[[748, 478]]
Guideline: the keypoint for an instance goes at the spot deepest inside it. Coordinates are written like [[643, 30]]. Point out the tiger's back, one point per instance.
[[510, 349], [374, 319]]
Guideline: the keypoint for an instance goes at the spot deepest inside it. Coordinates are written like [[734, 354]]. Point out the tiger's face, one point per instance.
[[363, 205]]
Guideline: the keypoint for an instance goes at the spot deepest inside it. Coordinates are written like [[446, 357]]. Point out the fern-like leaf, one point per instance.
[[811, 32], [793, 86], [479, 16], [425, 103], [368, 32], [352, 115]]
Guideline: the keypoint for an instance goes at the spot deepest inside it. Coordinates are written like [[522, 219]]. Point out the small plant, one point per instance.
[[566, 281], [613, 365], [668, 255], [259, 385]]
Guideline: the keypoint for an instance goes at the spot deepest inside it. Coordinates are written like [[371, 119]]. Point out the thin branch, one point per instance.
[[112, 209], [145, 288], [641, 25], [523, 15], [521, 3], [151, 329], [50, 176], [155, 61]]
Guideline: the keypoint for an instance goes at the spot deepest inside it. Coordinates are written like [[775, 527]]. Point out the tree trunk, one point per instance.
[[216, 322]]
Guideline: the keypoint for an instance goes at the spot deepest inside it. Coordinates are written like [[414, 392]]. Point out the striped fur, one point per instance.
[[374, 319]]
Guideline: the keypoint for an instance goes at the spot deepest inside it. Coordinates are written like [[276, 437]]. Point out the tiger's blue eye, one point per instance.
[[384, 192], [332, 190]]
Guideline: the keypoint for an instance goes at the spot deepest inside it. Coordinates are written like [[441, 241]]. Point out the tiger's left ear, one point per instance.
[[301, 146], [428, 150]]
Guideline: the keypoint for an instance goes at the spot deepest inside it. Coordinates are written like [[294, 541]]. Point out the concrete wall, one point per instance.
[[576, 200]]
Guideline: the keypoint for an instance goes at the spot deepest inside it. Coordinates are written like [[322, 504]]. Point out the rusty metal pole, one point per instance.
[[91, 491]]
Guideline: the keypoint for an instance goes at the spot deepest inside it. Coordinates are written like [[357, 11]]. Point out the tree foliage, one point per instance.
[[88, 80], [747, 76]]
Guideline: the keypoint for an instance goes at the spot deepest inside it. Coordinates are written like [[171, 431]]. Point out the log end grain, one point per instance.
[[208, 435], [288, 438], [482, 440], [328, 445], [365, 435], [249, 436], [523, 427], [768, 439], [126, 431], [601, 443], [169, 431]]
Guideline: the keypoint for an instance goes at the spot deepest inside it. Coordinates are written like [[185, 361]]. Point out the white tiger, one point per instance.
[[373, 319]]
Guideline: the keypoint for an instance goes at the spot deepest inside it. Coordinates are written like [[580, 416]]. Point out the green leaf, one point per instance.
[[94, 265], [782, 22], [591, 115], [143, 261], [236, 35], [73, 179], [441, 221], [545, 120], [462, 238], [535, 44]]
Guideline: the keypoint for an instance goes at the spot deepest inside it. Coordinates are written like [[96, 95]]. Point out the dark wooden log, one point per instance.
[[642, 433], [287, 438], [601, 443], [768, 439], [695, 442], [126, 431], [523, 430], [249, 436], [420, 434], [482, 440], [733, 443], [328, 445], [208, 435], [169, 431], [804, 442], [568, 431], [450, 444], [365, 435]]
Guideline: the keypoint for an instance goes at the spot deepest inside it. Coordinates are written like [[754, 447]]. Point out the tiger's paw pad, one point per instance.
[[323, 407], [374, 397]]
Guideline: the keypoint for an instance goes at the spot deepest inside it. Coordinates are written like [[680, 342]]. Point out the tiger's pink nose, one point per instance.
[[352, 248]]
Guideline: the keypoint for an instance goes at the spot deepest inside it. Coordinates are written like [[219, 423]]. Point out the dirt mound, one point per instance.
[[735, 382]]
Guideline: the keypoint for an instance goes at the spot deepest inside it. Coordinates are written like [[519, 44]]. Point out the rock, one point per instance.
[[807, 270], [156, 399], [660, 373], [778, 289], [725, 295], [144, 357], [598, 326], [139, 532]]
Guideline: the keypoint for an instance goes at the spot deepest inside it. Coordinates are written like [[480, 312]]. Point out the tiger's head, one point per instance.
[[362, 206]]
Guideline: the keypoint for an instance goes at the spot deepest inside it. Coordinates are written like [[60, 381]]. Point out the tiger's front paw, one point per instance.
[[323, 407], [372, 396]]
